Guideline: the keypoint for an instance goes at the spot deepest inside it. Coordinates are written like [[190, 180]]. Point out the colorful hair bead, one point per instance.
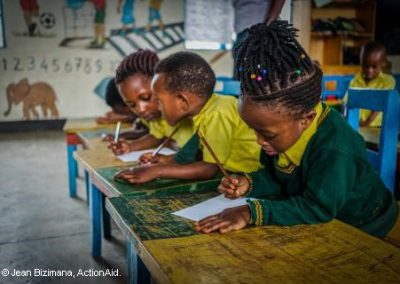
[[264, 71], [303, 56], [253, 76], [298, 71], [258, 66], [259, 78], [240, 69]]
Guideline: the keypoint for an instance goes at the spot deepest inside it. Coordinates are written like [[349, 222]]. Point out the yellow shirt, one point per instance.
[[381, 82], [294, 154], [160, 129], [232, 141]]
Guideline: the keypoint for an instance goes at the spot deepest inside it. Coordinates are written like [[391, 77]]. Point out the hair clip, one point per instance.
[[253, 76]]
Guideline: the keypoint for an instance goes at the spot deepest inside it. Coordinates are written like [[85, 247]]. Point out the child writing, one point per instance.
[[373, 61], [315, 164], [120, 112], [184, 84], [133, 78]]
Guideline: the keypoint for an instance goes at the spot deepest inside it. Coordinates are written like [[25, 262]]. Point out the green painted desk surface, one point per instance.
[[173, 252], [103, 178]]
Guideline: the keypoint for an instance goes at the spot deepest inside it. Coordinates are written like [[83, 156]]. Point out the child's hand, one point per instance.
[[139, 175], [119, 148], [147, 158], [228, 220], [234, 187]]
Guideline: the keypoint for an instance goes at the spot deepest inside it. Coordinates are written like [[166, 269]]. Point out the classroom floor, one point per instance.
[[40, 226]]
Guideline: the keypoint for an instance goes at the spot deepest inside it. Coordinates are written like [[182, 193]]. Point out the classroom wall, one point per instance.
[[60, 57]]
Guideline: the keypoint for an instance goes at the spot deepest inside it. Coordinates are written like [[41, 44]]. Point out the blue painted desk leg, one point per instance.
[[72, 168], [87, 183], [106, 219], [95, 216], [137, 271]]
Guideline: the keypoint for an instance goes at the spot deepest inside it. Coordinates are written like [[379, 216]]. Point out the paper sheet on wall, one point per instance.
[[134, 156], [209, 207]]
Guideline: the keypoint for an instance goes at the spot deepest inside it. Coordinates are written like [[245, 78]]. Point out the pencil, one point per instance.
[[213, 155], [162, 145], [117, 132]]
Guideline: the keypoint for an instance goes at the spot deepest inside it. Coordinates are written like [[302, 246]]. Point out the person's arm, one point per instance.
[[274, 11], [146, 142], [197, 170], [369, 119]]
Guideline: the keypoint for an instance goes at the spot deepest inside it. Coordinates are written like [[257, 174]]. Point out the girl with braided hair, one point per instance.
[[315, 164], [133, 79]]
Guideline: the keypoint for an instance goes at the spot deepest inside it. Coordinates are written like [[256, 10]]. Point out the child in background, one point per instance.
[[120, 111], [184, 84], [373, 61], [133, 79], [315, 164]]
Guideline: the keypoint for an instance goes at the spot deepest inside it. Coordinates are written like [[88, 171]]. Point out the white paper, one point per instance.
[[135, 155], [209, 207]]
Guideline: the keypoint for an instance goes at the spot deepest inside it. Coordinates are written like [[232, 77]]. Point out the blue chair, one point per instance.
[[227, 86], [386, 101], [337, 80]]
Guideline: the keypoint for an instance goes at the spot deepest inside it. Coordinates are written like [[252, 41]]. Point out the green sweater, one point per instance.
[[334, 180]]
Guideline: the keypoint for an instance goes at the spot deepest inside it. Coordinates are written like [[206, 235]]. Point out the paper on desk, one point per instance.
[[209, 207], [134, 156]]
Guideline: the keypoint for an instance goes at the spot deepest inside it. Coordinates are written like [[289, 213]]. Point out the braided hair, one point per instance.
[[274, 69], [140, 62]]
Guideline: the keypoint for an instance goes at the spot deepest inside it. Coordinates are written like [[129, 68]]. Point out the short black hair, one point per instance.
[[274, 69], [113, 98], [140, 62], [372, 47], [187, 71]]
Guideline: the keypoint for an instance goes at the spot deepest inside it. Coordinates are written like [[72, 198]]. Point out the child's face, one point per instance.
[[276, 132], [172, 106], [136, 92], [371, 65]]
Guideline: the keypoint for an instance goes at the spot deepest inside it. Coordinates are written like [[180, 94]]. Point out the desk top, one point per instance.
[[92, 139], [103, 178], [98, 158], [72, 126], [174, 253]]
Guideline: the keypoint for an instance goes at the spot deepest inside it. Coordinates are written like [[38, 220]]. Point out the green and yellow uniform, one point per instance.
[[161, 129], [324, 175], [233, 142]]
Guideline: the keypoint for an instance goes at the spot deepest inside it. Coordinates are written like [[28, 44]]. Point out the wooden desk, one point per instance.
[[71, 128], [101, 167], [174, 253]]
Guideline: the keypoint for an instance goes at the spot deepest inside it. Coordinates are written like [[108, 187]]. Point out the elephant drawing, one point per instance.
[[31, 96]]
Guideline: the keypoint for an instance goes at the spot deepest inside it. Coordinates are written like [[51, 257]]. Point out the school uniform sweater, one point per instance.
[[333, 180]]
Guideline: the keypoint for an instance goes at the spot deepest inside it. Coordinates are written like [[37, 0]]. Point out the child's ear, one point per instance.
[[183, 101], [308, 118]]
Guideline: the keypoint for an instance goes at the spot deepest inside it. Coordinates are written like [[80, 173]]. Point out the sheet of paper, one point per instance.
[[134, 156], [209, 207]]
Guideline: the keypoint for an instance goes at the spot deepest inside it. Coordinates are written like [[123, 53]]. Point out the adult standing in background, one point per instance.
[[250, 12]]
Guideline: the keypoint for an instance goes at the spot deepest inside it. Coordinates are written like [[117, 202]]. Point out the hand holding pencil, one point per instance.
[[233, 186]]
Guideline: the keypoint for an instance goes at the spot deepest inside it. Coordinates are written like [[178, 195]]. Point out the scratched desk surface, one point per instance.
[[104, 179], [174, 253]]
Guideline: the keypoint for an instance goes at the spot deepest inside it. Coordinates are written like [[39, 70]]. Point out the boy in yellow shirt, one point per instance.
[[133, 79], [373, 60], [184, 83]]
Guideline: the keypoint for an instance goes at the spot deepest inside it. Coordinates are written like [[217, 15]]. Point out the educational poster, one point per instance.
[[58, 51]]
